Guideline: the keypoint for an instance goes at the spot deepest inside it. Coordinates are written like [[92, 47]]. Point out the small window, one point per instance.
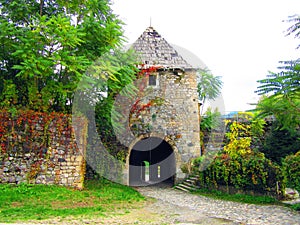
[[152, 80]]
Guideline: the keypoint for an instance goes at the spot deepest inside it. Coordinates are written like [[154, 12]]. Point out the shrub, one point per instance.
[[280, 143], [238, 165], [291, 170], [251, 172]]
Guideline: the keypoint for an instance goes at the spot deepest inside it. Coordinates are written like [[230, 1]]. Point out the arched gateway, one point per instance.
[[165, 115], [151, 161]]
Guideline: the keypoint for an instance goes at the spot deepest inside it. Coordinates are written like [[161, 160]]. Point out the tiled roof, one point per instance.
[[154, 50]]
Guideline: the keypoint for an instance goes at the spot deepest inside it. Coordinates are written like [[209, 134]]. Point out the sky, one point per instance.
[[239, 40]]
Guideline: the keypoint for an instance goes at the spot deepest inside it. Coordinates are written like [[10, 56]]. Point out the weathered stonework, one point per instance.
[[45, 153], [168, 108]]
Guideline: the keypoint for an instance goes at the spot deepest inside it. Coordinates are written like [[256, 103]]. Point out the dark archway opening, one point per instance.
[[152, 162]]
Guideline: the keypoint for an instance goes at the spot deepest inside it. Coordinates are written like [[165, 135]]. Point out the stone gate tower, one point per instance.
[[165, 119]]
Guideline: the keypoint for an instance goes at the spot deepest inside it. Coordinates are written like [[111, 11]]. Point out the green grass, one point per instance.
[[295, 206], [243, 198], [260, 200], [37, 202]]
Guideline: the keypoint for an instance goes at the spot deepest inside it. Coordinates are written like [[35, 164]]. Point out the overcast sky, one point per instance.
[[237, 39]]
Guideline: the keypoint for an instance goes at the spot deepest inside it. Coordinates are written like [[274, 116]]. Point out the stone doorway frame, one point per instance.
[[168, 140]]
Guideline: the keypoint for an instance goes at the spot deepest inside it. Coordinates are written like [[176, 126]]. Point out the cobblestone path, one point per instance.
[[193, 209]]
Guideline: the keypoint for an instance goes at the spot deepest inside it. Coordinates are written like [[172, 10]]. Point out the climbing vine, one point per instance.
[[41, 139], [33, 129]]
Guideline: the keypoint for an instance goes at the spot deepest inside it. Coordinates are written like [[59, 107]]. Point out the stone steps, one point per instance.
[[188, 185], [214, 138]]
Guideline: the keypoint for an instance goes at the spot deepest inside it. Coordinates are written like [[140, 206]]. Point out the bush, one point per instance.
[[250, 172], [280, 143], [238, 165], [291, 171]]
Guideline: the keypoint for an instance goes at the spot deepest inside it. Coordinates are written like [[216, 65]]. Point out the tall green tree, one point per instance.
[[46, 47], [209, 86], [281, 91], [281, 95]]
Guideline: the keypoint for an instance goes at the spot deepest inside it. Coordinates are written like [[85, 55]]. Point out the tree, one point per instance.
[[209, 86], [281, 91], [279, 143], [281, 95], [281, 100], [294, 29], [46, 47], [211, 120], [120, 82], [111, 76]]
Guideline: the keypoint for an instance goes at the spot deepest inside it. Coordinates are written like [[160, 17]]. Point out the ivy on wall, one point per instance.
[[34, 130], [36, 144]]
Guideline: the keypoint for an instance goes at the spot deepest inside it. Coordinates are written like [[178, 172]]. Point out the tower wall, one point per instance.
[[172, 114]]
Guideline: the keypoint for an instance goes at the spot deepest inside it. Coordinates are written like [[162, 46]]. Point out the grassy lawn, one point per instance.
[[36, 202]]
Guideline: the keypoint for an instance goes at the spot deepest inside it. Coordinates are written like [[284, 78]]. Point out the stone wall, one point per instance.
[[169, 110], [41, 148]]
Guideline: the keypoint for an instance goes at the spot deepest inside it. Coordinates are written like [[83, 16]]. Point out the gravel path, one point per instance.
[[167, 206], [193, 209]]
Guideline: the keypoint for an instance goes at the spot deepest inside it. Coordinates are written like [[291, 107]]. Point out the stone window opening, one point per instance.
[[153, 80]]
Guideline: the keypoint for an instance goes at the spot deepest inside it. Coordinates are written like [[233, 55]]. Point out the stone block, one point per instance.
[[79, 158]]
